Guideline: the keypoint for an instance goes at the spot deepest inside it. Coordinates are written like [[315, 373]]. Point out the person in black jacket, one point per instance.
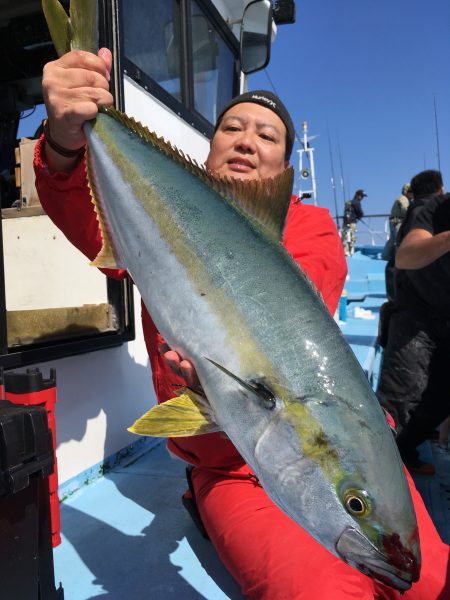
[[413, 385], [353, 212], [353, 208]]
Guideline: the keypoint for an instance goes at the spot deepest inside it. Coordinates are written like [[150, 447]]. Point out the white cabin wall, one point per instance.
[[156, 116], [99, 395], [232, 10], [35, 248]]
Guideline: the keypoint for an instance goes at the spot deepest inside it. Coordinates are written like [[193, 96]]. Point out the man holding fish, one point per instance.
[[269, 554]]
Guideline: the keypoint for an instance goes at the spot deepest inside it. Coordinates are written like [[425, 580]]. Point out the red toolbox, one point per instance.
[[32, 389]]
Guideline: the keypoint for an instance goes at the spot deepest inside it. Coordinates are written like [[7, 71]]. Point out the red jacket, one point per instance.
[[310, 237]]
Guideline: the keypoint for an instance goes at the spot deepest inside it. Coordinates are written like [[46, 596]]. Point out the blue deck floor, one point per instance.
[[127, 535]]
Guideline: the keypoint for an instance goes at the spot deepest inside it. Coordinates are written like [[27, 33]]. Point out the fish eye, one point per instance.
[[266, 395], [357, 503]]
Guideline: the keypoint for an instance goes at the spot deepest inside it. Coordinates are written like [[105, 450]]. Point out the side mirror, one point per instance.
[[256, 33]]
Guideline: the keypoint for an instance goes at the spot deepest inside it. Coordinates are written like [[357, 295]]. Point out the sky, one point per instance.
[[369, 72]]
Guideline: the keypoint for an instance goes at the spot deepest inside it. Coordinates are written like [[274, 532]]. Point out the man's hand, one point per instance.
[[74, 86], [186, 370], [181, 367]]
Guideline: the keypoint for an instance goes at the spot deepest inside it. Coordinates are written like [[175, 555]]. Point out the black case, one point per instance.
[[26, 461]]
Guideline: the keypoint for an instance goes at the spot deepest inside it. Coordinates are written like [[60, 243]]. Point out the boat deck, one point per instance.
[[127, 535]]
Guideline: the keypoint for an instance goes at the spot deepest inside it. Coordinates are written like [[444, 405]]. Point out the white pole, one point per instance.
[[313, 177], [305, 173]]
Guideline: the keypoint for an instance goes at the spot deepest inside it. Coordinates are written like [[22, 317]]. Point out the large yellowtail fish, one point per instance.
[[279, 378]]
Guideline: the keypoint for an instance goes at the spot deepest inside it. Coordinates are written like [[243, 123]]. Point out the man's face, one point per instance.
[[250, 143]]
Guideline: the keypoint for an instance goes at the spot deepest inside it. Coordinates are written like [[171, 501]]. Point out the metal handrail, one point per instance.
[[377, 236]]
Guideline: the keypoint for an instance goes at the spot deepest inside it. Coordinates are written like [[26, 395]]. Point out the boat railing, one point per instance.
[[371, 230]]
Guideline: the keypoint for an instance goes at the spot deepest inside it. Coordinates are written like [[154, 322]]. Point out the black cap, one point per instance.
[[361, 193], [270, 101]]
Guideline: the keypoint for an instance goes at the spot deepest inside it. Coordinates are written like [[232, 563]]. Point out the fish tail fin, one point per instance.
[[79, 32], [84, 19], [58, 24]]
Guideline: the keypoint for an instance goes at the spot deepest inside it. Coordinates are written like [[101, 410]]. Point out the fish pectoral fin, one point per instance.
[[188, 414], [263, 393], [244, 384]]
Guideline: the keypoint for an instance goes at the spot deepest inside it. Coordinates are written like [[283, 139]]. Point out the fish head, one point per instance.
[[340, 494]]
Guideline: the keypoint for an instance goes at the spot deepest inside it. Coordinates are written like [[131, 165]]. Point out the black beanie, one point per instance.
[[270, 101]]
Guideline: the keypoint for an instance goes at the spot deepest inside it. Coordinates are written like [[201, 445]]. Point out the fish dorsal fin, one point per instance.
[[188, 414], [265, 201]]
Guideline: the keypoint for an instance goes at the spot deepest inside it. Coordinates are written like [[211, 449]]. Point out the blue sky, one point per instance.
[[368, 70]]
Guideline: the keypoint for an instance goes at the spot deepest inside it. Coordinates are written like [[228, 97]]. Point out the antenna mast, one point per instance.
[[307, 175]]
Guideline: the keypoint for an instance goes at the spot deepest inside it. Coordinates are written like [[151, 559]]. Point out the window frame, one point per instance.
[[186, 108]]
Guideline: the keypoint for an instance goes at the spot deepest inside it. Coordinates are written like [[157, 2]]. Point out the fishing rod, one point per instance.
[[437, 134], [342, 172], [333, 185]]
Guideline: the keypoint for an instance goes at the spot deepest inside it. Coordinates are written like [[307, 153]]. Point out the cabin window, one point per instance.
[[184, 55], [213, 66], [153, 42]]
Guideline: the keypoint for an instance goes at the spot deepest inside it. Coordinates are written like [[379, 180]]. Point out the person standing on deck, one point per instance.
[[270, 556], [353, 213], [396, 218], [413, 380]]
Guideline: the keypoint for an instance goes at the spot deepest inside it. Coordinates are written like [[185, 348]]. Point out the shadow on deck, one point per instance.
[[127, 535]]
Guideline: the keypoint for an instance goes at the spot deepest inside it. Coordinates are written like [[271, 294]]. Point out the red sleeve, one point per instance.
[[66, 199], [312, 239]]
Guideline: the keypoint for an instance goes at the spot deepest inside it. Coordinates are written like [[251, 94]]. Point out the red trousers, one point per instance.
[[272, 558]]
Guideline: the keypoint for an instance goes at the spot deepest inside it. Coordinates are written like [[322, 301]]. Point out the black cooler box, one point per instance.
[[26, 461]]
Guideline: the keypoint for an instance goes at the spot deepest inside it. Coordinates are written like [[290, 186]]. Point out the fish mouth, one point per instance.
[[398, 567]]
